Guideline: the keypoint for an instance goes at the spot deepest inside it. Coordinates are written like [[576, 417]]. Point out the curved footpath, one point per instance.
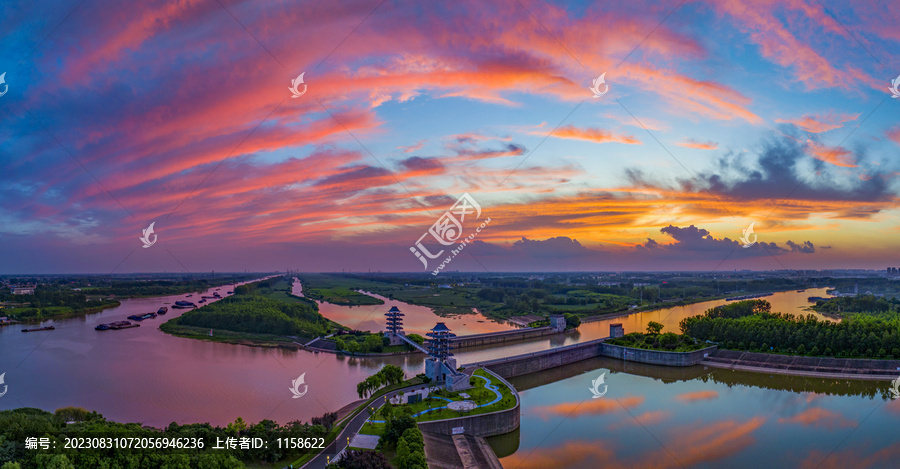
[[487, 385], [352, 428]]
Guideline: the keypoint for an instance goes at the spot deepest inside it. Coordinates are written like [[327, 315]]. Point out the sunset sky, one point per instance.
[[719, 114]]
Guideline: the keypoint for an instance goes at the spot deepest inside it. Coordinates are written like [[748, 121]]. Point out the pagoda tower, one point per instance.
[[394, 325]]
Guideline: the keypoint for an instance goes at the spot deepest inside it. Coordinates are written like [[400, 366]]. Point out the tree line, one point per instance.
[[256, 313], [386, 376], [18, 424], [753, 327]]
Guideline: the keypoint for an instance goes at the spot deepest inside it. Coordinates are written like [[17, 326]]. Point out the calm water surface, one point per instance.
[[664, 417]]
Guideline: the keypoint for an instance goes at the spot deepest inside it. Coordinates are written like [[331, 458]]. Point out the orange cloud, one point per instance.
[[414, 147], [894, 134], [699, 145], [593, 135], [819, 417], [820, 123], [762, 20], [838, 156], [697, 396]]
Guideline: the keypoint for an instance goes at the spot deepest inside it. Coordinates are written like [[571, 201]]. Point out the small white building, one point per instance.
[[23, 290], [558, 322]]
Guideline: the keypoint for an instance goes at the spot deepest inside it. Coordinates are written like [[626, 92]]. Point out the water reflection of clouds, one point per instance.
[[893, 405], [686, 446], [819, 417], [652, 417], [697, 396], [590, 407], [858, 458]]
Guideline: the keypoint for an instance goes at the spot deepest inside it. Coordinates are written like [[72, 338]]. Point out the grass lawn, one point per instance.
[[478, 394]]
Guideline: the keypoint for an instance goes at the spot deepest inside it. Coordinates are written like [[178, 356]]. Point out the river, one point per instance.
[[651, 416]]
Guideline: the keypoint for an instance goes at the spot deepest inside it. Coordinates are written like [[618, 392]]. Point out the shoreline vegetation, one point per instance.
[[751, 326], [262, 313], [267, 314], [655, 339]]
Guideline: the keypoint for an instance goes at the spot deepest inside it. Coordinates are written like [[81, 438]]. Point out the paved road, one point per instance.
[[319, 462]]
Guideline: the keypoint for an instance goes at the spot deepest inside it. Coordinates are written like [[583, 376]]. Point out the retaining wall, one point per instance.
[[500, 337], [533, 362], [804, 366], [656, 357], [490, 424]]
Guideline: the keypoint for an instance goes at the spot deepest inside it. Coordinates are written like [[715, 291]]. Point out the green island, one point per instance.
[[72, 422], [262, 313], [655, 340], [266, 313], [750, 325], [324, 288]]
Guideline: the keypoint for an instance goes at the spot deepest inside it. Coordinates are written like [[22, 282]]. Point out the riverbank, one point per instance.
[[54, 312], [658, 307], [229, 337]]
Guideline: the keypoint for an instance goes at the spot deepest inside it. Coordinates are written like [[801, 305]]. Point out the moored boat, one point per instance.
[[162, 310], [122, 325], [48, 328]]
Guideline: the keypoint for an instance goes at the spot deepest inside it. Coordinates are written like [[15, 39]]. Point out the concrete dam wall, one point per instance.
[[500, 337], [656, 357], [518, 365]]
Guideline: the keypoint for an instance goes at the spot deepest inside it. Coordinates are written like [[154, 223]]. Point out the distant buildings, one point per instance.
[[23, 290]]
